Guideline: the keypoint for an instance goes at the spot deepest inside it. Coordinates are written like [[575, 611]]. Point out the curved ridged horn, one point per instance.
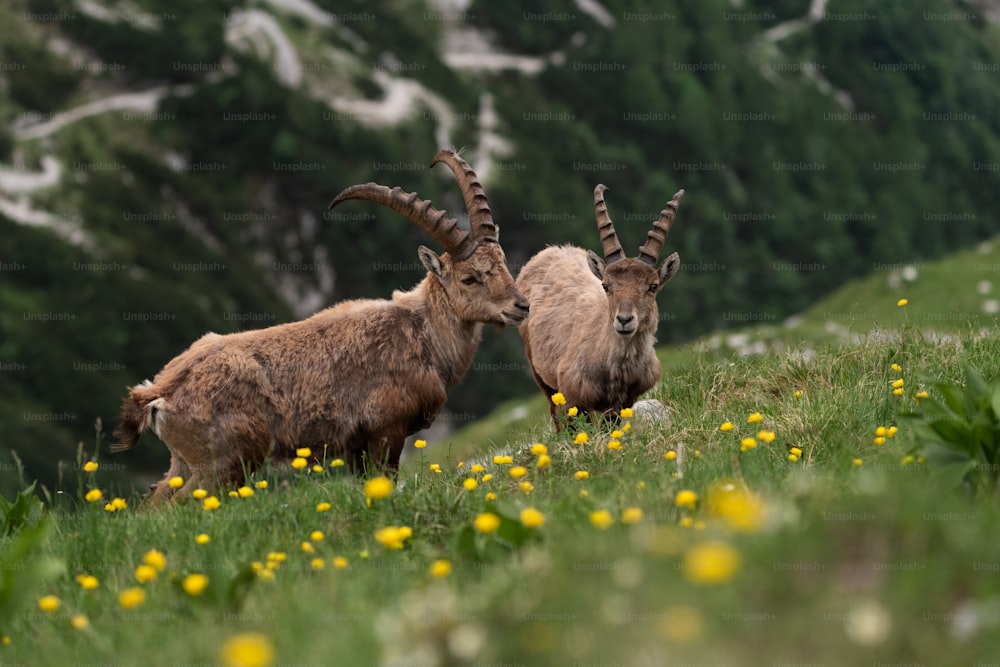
[[481, 223], [455, 240], [650, 250], [609, 237]]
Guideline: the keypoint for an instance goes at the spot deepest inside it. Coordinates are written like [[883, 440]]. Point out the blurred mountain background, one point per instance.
[[165, 167]]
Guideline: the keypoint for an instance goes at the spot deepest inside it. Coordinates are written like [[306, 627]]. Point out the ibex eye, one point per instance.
[[653, 287], [470, 280], [606, 287]]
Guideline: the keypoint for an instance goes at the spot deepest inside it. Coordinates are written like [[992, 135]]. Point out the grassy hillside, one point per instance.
[[165, 165], [957, 295], [678, 547]]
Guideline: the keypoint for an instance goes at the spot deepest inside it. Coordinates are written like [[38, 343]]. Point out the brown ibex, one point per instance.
[[351, 381], [593, 322]]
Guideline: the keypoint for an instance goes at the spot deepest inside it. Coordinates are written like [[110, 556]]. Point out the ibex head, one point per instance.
[[473, 270], [633, 283]]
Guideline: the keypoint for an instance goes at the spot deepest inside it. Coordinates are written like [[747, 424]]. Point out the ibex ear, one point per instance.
[[431, 261], [671, 265], [596, 264]]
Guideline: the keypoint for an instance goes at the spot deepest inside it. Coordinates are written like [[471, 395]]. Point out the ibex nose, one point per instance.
[[522, 306], [624, 319]]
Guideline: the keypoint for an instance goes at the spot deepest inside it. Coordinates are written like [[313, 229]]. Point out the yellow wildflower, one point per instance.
[[317, 563], [202, 539], [262, 484], [195, 584], [558, 399], [879, 440], [299, 463], [487, 477], [796, 451], [336, 463], [616, 434], [419, 444], [323, 507], [308, 548], [391, 537], [199, 494], [581, 438], [532, 518], [538, 449], [747, 443], [631, 515], [601, 519], [921, 394], [131, 598], [517, 472], [49, 604], [247, 650], [799, 393], [244, 492], [857, 462], [233, 494], [726, 426], [88, 582], [793, 457], [711, 562], [891, 432], [526, 486], [490, 496], [503, 460], [79, 622], [767, 437], [476, 468], [93, 495], [155, 559], [340, 563], [614, 445], [896, 384], [902, 302], [670, 455], [175, 482], [581, 474], [896, 367], [898, 392], [736, 505], [378, 488], [626, 413], [316, 536], [686, 498], [144, 573], [573, 412], [487, 522], [303, 452], [754, 418], [435, 467], [440, 568], [470, 484], [543, 461], [90, 466], [211, 503]]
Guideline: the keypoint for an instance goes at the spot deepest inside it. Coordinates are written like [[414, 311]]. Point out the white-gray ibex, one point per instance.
[[352, 381], [593, 322]]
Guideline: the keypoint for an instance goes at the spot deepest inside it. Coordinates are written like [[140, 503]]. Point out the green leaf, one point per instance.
[[976, 392]]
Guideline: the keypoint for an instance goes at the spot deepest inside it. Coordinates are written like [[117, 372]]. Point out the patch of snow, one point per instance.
[[124, 12], [306, 10], [985, 248], [146, 101], [262, 33], [494, 62], [984, 287], [596, 11], [399, 103], [17, 181], [492, 145], [21, 212], [991, 306], [910, 273]]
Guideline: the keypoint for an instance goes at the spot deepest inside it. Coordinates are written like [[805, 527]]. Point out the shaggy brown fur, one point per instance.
[[351, 381], [593, 325]]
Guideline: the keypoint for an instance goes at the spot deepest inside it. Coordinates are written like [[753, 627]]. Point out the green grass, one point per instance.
[[845, 564]]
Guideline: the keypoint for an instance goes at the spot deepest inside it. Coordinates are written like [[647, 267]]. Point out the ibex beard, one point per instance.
[[352, 381]]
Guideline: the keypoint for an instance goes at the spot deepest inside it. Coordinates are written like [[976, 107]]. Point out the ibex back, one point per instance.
[[352, 381]]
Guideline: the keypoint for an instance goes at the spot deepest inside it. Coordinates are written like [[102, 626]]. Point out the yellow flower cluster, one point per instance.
[[392, 537]]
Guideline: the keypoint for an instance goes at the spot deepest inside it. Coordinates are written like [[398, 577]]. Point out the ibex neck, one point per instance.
[[450, 340]]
